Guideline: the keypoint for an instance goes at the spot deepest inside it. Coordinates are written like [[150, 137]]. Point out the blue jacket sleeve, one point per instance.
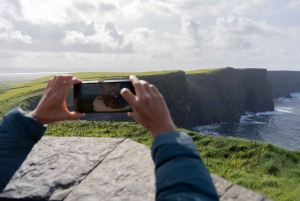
[[180, 172], [18, 134]]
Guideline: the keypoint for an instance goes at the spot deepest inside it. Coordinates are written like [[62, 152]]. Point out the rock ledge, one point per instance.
[[73, 168]]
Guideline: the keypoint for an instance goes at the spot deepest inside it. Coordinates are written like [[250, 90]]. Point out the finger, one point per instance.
[[146, 86], [69, 84], [139, 90], [49, 83], [154, 90], [128, 96], [73, 81], [59, 80]]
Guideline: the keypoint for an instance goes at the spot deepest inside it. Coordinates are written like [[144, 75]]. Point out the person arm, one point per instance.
[[180, 173], [19, 131]]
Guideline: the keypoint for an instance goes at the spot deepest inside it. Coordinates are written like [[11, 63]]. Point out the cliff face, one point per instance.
[[284, 82], [201, 99], [172, 86], [225, 95]]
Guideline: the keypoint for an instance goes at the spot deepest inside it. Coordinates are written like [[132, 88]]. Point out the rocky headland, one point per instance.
[[224, 95], [198, 99], [221, 95], [284, 82]]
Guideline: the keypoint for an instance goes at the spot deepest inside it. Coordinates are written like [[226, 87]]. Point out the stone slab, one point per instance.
[[126, 174], [221, 184], [111, 169], [239, 193], [56, 165]]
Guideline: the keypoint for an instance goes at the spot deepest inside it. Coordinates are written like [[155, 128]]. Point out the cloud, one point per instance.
[[7, 32], [8, 55], [10, 36], [5, 24], [138, 9], [106, 7], [150, 42], [10, 10], [162, 55], [293, 5], [210, 8], [106, 39], [85, 7], [240, 33], [189, 33]]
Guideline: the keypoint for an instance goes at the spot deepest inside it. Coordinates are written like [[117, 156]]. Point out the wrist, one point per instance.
[[38, 118], [160, 129]]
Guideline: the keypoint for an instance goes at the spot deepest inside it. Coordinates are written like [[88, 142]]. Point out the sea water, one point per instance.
[[280, 127]]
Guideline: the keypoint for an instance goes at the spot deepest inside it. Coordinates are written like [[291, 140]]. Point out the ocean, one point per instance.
[[280, 127]]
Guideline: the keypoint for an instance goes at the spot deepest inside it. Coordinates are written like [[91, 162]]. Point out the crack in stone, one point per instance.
[[95, 167]]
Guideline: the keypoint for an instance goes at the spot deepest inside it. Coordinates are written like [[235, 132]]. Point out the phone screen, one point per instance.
[[92, 97]]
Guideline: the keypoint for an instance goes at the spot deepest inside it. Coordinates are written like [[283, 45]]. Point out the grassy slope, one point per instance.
[[38, 84], [262, 167], [208, 70], [21, 94]]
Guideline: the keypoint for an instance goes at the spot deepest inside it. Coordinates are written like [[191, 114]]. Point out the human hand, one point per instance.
[[52, 106], [149, 107]]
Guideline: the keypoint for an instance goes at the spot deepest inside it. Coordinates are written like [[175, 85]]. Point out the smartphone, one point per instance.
[[104, 96]]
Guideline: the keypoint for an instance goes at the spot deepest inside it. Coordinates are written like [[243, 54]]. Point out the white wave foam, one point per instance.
[[247, 119], [295, 95], [257, 122], [208, 129], [287, 100], [284, 109], [268, 113]]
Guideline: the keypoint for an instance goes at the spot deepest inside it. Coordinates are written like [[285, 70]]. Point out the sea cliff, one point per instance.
[[218, 96], [284, 82], [224, 95]]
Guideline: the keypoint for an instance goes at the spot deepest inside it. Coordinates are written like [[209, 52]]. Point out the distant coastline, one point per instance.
[[21, 77]]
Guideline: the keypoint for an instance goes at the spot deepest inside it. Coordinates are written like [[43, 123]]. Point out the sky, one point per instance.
[[144, 35]]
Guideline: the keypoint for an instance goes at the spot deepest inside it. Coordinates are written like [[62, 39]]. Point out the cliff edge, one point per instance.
[[284, 82], [217, 96], [226, 94]]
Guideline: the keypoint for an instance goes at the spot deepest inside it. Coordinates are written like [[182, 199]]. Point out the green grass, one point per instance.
[[198, 71], [23, 94], [262, 167], [16, 90]]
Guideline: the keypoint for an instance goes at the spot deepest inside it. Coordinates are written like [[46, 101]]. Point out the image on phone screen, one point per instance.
[[91, 97]]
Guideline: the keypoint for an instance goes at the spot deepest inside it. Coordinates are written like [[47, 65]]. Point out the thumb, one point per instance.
[[131, 115], [76, 115]]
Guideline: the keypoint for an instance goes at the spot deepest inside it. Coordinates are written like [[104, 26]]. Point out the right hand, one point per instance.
[[149, 107]]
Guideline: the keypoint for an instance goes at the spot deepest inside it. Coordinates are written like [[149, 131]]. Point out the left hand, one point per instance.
[[52, 106]]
